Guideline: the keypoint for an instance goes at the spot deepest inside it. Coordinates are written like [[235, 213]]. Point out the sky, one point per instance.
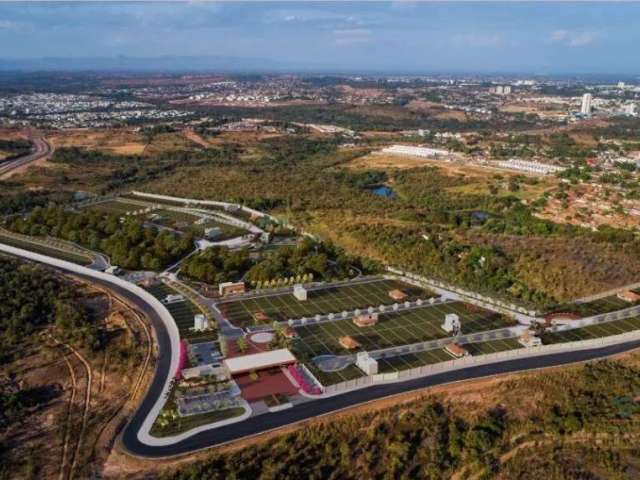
[[403, 37]]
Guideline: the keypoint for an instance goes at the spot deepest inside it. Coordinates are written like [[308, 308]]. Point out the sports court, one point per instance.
[[332, 299], [395, 329]]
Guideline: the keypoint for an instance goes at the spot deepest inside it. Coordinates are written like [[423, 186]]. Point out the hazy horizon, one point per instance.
[[533, 38]]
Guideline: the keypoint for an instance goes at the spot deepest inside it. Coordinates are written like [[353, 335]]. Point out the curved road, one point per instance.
[[41, 149], [270, 421], [130, 436]]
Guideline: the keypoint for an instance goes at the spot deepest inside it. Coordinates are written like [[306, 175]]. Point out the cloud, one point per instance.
[[352, 36], [572, 38]]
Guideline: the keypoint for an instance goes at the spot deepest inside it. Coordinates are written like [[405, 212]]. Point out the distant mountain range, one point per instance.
[[223, 64], [145, 64]]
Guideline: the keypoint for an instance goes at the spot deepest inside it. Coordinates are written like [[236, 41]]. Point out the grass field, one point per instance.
[[394, 329], [46, 250], [116, 207], [227, 231], [594, 331], [327, 300], [331, 378], [602, 305], [182, 312], [170, 217]]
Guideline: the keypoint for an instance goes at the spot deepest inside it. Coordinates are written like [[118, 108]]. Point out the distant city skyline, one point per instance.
[[539, 38]]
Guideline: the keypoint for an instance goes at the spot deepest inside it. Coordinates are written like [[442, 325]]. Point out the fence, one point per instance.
[[598, 319], [347, 314], [471, 297], [214, 203], [465, 362]]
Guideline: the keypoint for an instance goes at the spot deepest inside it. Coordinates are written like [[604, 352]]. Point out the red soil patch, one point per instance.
[[269, 382]]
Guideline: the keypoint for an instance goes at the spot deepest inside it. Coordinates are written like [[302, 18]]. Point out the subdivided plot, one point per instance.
[[597, 307], [395, 329], [182, 311], [330, 299], [607, 329]]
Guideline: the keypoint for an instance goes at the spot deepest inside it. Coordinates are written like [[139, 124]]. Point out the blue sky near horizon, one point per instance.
[[485, 37]]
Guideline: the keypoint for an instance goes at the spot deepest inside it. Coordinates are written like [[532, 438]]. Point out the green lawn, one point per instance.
[[395, 329], [327, 300], [184, 424], [44, 249], [330, 378], [118, 207]]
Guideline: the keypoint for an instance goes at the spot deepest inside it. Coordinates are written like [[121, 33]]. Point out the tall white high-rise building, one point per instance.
[[585, 109], [629, 109]]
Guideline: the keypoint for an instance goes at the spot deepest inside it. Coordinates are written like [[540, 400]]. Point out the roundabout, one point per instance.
[[262, 337]]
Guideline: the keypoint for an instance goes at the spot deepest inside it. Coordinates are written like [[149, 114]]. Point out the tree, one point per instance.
[[241, 343]]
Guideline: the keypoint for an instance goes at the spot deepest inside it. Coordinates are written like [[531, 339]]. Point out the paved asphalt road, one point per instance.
[[41, 149], [252, 426], [263, 423]]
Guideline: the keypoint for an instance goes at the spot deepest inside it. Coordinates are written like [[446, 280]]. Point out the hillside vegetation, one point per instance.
[[491, 243], [532, 427]]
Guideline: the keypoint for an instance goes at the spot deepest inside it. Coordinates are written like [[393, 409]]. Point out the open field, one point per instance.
[[593, 331], [394, 329], [118, 141], [117, 207], [227, 231], [326, 300], [525, 192], [171, 216], [45, 250], [384, 161]]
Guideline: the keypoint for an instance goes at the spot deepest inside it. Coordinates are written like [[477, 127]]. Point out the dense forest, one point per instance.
[[119, 171], [130, 244], [32, 297], [307, 259], [217, 264], [10, 149], [432, 225], [26, 200], [434, 438], [380, 117]]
